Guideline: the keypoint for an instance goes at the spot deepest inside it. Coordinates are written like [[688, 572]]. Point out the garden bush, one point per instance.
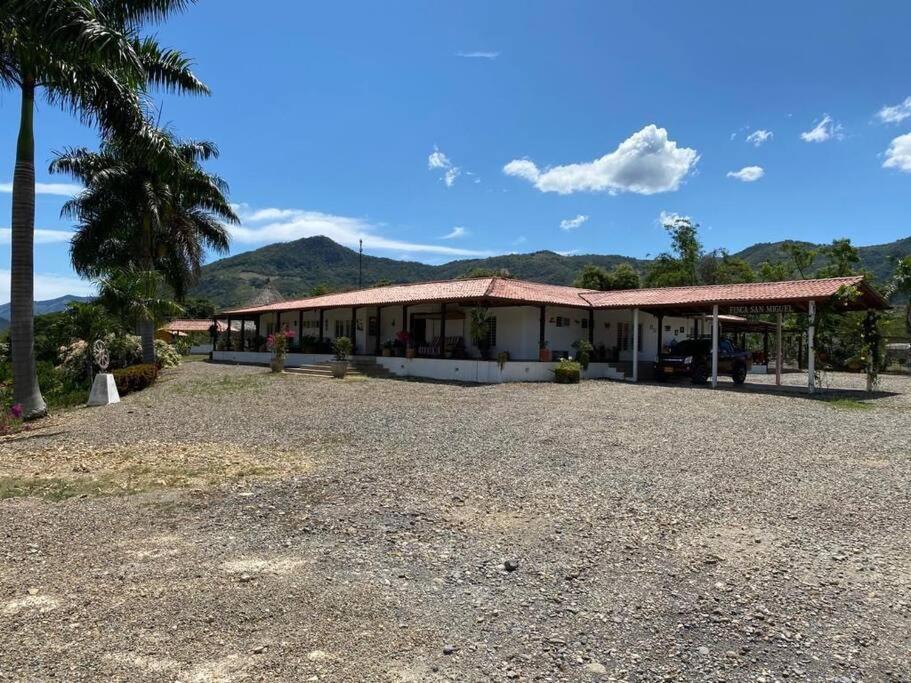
[[567, 372], [166, 354], [135, 377]]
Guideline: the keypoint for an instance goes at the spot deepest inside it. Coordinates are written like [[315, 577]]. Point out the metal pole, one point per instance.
[[360, 265], [635, 344], [715, 346], [811, 355]]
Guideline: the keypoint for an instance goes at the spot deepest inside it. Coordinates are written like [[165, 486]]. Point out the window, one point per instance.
[[343, 328], [625, 337], [371, 326], [492, 331]]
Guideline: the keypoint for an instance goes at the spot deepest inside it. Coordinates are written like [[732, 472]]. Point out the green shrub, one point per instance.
[[166, 354], [567, 372], [135, 377], [585, 349], [342, 347]]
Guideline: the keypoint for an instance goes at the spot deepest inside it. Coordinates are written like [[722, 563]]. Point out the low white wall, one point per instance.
[[485, 372], [292, 360], [201, 348]]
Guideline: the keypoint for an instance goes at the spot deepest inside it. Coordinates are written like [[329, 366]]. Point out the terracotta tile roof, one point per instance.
[[187, 325], [503, 290], [742, 294], [471, 289]]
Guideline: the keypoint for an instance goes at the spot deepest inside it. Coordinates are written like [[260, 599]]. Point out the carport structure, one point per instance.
[[759, 298]]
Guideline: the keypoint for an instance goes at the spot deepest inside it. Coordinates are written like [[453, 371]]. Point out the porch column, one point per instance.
[[542, 317], [406, 324], [300, 329], [321, 337], [255, 330], [778, 353], [591, 326], [811, 355], [379, 327], [765, 347], [660, 330], [635, 344], [715, 345], [443, 330], [228, 345]]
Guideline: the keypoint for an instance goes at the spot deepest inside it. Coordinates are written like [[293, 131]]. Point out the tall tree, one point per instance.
[[842, 259], [801, 257], [621, 276], [147, 205], [680, 265], [89, 58]]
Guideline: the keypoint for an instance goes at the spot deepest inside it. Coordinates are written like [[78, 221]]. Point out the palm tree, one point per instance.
[[136, 296], [88, 58], [149, 206]]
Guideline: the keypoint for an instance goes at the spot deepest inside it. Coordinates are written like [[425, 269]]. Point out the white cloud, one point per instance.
[[573, 223], [747, 174], [62, 189], [42, 236], [457, 232], [645, 163], [757, 137], [667, 218], [50, 286], [825, 129], [478, 54], [437, 161], [262, 226], [896, 113], [898, 156]]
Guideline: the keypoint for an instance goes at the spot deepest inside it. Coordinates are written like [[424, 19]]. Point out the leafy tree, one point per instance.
[[147, 205], [720, 268], [89, 58], [842, 259], [199, 308], [900, 285], [801, 257], [775, 272], [479, 329], [321, 289], [680, 265], [622, 276]]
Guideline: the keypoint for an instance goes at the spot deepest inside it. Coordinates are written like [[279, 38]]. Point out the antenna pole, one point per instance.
[[360, 265]]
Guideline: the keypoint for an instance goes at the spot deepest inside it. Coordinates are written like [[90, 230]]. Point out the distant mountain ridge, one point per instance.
[[42, 307], [294, 268]]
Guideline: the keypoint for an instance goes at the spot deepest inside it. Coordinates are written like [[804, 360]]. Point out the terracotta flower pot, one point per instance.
[[387, 353], [544, 355], [339, 368], [409, 353], [277, 364]]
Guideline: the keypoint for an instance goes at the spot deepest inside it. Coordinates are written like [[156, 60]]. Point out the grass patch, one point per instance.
[[229, 384], [848, 404]]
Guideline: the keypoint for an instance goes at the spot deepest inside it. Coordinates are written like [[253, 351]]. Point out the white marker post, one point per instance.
[[714, 346]]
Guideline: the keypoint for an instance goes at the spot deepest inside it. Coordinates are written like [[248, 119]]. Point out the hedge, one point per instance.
[[567, 372], [135, 377]]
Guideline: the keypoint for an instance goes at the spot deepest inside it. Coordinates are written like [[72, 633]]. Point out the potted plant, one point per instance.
[[543, 352], [388, 347], [584, 348], [341, 346], [278, 343], [480, 330]]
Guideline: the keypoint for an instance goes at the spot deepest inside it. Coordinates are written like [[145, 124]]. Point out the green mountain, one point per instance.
[[293, 269]]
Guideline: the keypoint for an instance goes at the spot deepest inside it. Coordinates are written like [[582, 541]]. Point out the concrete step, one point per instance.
[[321, 370]]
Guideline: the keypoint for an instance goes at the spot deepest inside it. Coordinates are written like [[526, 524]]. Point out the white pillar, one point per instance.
[[635, 344], [811, 356], [715, 345], [778, 353]]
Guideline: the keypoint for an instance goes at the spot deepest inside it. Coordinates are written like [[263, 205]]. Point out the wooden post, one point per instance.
[[778, 351], [379, 326], [591, 326], [660, 331], [300, 330], [635, 344], [228, 345], [715, 346], [542, 317], [321, 312], [353, 330], [811, 353], [256, 332], [443, 330]]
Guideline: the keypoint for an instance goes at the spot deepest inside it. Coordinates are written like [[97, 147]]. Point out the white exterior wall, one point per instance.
[[606, 324], [292, 360], [486, 372]]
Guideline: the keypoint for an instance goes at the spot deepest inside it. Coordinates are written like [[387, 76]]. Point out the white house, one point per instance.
[[428, 324]]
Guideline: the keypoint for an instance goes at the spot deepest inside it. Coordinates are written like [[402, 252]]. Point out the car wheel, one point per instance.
[[700, 375], [740, 374]]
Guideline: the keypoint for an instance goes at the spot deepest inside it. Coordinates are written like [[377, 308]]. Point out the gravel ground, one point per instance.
[[228, 525]]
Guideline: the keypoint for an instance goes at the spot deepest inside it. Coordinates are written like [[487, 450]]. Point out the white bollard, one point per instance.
[[104, 390]]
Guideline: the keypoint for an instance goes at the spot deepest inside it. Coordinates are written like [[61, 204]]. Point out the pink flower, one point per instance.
[[16, 411]]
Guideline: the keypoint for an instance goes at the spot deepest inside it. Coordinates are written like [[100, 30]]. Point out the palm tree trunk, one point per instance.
[[22, 276], [147, 334]]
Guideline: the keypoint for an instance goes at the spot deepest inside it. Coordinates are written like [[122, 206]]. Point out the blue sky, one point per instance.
[[438, 130]]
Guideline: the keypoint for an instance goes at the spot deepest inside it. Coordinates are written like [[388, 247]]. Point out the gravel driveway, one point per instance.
[[229, 525]]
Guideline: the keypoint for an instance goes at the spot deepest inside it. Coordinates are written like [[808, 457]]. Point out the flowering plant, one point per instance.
[[403, 337], [278, 342], [11, 420]]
